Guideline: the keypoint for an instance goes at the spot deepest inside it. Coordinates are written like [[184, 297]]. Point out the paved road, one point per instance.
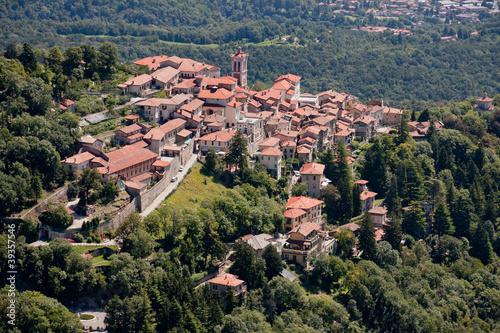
[[170, 188], [94, 324]]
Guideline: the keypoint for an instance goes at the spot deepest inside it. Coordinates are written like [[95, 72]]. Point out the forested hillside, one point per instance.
[[322, 46]]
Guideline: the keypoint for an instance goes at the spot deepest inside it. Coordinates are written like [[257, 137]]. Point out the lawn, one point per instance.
[[81, 249], [193, 190]]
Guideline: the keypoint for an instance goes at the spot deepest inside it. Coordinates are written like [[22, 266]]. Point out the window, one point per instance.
[[262, 157], [268, 158], [314, 177]]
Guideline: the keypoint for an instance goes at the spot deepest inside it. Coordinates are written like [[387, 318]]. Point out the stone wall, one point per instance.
[[147, 197], [42, 205]]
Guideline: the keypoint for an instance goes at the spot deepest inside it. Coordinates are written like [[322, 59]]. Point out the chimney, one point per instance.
[[239, 49], [135, 74]]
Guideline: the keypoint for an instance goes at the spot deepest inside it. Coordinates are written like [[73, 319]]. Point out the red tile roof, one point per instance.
[[227, 279], [312, 169], [136, 81], [378, 210], [161, 163], [302, 202], [220, 136], [130, 129], [271, 152], [172, 125], [220, 93], [131, 117], [306, 228], [79, 158], [289, 77], [367, 194], [126, 157], [269, 142], [151, 62], [294, 213], [165, 74]]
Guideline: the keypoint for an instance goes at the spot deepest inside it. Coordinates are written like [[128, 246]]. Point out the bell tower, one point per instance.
[[239, 67]]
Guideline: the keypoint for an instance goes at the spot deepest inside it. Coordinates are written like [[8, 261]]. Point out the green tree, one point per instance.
[[56, 216], [346, 240], [442, 222], [131, 314], [28, 58], [244, 265], [237, 152], [274, 263], [414, 220], [393, 233], [139, 244], [211, 161], [424, 116], [356, 200], [300, 189], [462, 213], [366, 239], [55, 59], [11, 51], [392, 200], [211, 244], [72, 58], [344, 184], [110, 190], [36, 186], [131, 224], [403, 133], [481, 246], [88, 180], [108, 56], [331, 196]]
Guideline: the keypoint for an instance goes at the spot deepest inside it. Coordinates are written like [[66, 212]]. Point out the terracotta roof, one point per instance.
[[289, 77], [135, 184], [131, 117], [126, 157], [130, 129], [378, 210], [220, 93], [269, 142], [227, 279], [312, 169], [137, 80], [165, 74], [186, 84], [189, 65], [142, 176], [220, 136], [361, 182], [254, 103], [388, 110], [184, 133], [234, 103], [88, 139], [302, 202], [193, 105], [288, 144], [161, 163], [294, 213], [155, 134], [66, 102], [79, 158], [151, 62], [303, 150], [290, 134], [271, 152], [216, 81], [367, 194], [268, 94], [365, 120], [349, 226], [306, 228], [282, 85], [172, 125]]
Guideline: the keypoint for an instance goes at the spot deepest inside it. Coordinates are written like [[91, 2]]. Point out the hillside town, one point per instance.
[[203, 110]]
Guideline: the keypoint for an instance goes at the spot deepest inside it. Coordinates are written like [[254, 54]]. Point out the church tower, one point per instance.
[[239, 62]]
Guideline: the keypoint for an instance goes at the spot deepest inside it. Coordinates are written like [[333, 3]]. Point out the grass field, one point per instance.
[[193, 190]]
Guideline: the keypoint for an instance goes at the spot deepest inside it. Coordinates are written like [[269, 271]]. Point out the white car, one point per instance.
[[174, 179], [181, 168], [297, 173]]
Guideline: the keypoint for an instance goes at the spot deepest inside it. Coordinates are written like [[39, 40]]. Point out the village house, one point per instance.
[[365, 127], [345, 135], [90, 141], [304, 154], [137, 85], [213, 123], [304, 239], [162, 109], [259, 243], [294, 217], [215, 100], [226, 282], [311, 206], [130, 134], [252, 128], [271, 159], [269, 98], [312, 174], [219, 141], [288, 148], [484, 104], [378, 215], [269, 143], [233, 112], [78, 162], [66, 104], [164, 135], [392, 117], [367, 200], [166, 78], [420, 130]]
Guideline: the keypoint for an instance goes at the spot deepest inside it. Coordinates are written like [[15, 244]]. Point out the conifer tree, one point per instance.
[[356, 200], [481, 246], [393, 232], [392, 200], [414, 221], [461, 213], [237, 152], [404, 132], [415, 181], [274, 264], [442, 222], [28, 58], [366, 241], [344, 183]]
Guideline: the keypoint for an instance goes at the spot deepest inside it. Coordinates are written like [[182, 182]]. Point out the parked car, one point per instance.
[[297, 173], [71, 240], [174, 179], [181, 168]]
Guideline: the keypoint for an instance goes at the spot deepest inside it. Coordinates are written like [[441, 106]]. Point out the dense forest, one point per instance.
[[322, 47]]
